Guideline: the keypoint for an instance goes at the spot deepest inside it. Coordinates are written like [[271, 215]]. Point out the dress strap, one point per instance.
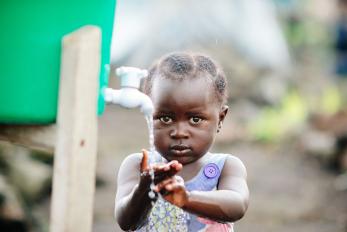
[[208, 176]]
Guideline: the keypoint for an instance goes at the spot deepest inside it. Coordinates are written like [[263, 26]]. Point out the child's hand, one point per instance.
[[161, 171], [173, 190]]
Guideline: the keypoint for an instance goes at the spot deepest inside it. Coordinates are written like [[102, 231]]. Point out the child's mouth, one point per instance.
[[180, 149]]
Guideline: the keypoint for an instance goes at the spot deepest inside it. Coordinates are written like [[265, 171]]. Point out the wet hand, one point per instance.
[[173, 190], [161, 171]]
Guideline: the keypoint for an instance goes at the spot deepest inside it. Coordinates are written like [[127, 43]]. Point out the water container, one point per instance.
[[30, 52]]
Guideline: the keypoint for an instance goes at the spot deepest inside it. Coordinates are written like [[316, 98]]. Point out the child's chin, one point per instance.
[[182, 159]]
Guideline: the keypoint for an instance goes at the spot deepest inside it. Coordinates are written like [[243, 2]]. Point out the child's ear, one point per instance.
[[223, 112]]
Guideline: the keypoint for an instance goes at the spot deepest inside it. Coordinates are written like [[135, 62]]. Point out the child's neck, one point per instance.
[[190, 170]]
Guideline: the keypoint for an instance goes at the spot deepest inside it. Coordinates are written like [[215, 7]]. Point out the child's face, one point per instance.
[[186, 117]]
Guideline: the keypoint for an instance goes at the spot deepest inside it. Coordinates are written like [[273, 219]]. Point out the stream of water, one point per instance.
[[151, 158], [176, 218]]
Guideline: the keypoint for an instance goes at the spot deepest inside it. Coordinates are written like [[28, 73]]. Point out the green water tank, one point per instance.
[[30, 52]]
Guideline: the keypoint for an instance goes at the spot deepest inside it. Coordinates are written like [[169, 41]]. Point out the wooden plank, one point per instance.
[[32, 136], [75, 153]]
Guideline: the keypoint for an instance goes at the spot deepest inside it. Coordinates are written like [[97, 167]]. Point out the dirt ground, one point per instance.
[[289, 191]]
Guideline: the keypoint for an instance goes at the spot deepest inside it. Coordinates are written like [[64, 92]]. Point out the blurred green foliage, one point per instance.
[[276, 122]]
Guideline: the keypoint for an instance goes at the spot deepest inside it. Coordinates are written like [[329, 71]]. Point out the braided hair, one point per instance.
[[185, 66]]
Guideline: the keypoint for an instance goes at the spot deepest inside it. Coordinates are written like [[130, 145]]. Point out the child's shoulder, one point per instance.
[[234, 159], [132, 160], [229, 158], [233, 165]]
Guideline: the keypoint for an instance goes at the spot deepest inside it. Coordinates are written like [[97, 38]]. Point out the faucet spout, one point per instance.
[[146, 105], [129, 96]]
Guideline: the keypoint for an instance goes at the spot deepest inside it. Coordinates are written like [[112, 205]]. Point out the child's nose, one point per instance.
[[179, 131]]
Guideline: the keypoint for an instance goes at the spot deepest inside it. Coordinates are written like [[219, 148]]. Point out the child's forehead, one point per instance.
[[191, 90]]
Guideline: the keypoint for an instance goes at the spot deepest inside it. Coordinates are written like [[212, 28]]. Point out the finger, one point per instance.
[[179, 180], [178, 166], [162, 175], [164, 170], [174, 186], [167, 166], [158, 167], [170, 187], [162, 184], [175, 164], [176, 194], [144, 162]]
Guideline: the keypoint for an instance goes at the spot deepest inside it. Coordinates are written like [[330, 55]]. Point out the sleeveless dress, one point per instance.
[[165, 217]]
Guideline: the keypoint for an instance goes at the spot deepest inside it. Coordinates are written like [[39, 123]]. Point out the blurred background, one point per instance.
[[286, 64]]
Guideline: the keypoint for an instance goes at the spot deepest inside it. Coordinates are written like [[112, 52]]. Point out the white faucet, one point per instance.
[[129, 95]]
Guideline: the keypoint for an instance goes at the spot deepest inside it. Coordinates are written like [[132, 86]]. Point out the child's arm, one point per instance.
[[129, 193], [132, 202], [229, 203]]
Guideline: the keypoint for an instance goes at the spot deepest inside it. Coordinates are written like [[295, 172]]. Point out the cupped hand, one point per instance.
[[162, 171], [173, 190]]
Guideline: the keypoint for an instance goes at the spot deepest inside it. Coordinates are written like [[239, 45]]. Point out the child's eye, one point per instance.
[[195, 120], [166, 119]]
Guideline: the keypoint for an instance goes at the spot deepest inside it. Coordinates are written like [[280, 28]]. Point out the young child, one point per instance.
[[197, 190]]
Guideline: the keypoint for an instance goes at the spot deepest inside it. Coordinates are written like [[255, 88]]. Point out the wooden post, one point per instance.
[[76, 145]]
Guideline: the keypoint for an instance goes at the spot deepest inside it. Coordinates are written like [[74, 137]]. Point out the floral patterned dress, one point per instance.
[[165, 217]]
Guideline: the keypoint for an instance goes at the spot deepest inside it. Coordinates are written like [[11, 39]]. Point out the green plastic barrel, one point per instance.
[[30, 52]]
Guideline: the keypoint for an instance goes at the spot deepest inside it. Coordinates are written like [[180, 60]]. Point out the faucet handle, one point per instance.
[[131, 76]]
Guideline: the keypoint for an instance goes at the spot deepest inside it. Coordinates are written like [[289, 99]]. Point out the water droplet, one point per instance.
[[151, 194]]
